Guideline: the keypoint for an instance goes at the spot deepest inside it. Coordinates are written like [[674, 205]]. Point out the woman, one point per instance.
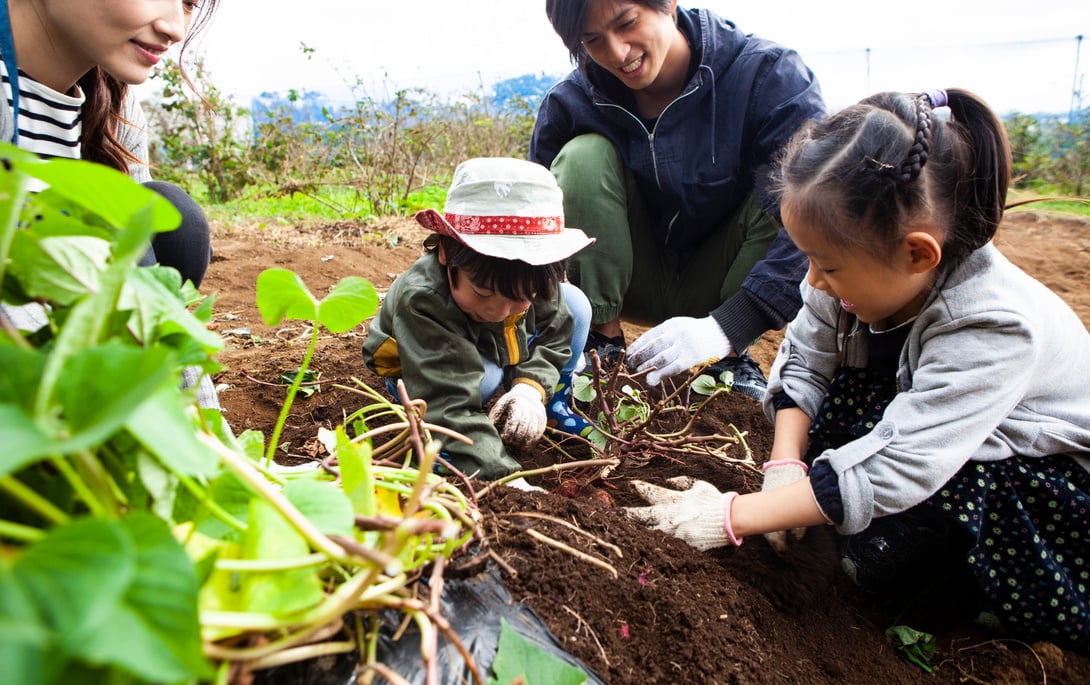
[[67, 67]]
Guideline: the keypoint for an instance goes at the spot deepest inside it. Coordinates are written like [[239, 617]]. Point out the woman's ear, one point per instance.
[[441, 254], [923, 250]]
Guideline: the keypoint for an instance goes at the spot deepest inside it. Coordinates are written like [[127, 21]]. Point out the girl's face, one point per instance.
[[872, 289], [630, 40], [126, 38]]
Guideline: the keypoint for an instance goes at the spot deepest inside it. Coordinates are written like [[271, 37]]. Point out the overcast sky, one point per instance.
[[1018, 55]]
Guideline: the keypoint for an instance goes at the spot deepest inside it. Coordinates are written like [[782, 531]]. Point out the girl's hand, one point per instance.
[[778, 473], [699, 514]]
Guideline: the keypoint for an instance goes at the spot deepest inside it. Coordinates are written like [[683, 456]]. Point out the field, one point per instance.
[[666, 613]]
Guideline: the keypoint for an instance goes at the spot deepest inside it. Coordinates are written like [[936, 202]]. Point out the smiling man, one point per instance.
[[662, 139]]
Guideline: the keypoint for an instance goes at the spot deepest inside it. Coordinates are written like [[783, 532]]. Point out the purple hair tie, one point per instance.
[[937, 97]]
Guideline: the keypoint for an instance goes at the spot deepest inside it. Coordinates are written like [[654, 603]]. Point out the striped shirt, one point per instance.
[[50, 123]]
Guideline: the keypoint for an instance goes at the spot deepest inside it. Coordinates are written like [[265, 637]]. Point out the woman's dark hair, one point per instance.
[[512, 278], [568, 17], [869, 171], [104, 95]]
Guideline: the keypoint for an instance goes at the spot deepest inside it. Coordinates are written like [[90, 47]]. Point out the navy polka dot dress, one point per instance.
[[1026, 520]]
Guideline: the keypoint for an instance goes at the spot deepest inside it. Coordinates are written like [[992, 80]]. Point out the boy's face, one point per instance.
[[481, 304]]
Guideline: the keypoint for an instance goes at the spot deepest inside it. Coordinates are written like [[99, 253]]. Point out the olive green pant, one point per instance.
[[627, 273]]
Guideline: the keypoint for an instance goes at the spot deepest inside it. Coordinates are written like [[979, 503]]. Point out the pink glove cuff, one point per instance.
[[727, 528], [784, 462]]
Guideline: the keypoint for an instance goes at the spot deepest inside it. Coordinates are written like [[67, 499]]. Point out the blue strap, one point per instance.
[[7, 50]]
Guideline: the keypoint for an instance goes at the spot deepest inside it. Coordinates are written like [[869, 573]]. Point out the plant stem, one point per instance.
[[17, 531], [294, 388], [32, 499], [85, 493]]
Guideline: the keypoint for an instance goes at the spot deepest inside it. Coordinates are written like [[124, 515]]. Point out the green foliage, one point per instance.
[[519, 660], [199, 137], [140, 540], [916, 646], [1051, 155], [376, 156]]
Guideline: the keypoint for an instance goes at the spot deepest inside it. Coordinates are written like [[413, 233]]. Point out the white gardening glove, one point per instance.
[[699, 514], [519, 415], [778, 473], [676, 345], [524, 485]]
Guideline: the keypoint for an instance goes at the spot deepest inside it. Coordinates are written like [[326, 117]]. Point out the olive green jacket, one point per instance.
[[421, 336]]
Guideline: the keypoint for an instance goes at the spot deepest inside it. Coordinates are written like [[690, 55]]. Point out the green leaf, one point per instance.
[[103, 386], [154, 631], [350, 302], [705, 385], [160, 424], [58, 269], [158, 310], [324, 505], [518, 657], [270, 536], [232, 495], [25, 641], [583, 388], [281, 295], [77, 575], [19, 380], [357, 477], [916, 646], [111, 194]]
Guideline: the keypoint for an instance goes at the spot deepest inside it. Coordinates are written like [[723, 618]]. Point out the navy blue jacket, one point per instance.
[[707, 151]]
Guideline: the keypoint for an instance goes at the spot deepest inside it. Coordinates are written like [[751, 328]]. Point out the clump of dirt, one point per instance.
[[650, 608]]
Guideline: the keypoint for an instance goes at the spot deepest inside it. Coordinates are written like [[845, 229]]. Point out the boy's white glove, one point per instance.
[[778, 473], [696, 514], [519, 415], [677, 345]]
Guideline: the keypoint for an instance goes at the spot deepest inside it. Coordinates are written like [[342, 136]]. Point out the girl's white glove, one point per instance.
[[519, 415], [778, 473], [699, 514], [677, 345]]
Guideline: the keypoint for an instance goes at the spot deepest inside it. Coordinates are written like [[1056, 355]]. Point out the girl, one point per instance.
[[931, 400], [67, 67]]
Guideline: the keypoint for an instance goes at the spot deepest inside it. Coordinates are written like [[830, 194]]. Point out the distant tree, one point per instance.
[[524, 91]]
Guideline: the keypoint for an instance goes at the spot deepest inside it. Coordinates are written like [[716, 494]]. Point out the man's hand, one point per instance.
[[676, 345], [519, 415], [697, 514], [778, 473]]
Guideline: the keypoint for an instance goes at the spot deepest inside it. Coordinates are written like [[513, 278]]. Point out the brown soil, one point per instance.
[[671, 613]]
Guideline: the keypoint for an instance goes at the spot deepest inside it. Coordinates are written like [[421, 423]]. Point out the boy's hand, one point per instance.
[[519, 415]]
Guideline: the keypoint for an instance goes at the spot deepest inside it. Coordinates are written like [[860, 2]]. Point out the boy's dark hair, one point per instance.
[[512, 278], [568, 17], [865, 173]]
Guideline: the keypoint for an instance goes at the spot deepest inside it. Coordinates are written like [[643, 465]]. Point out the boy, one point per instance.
[[487, 306]]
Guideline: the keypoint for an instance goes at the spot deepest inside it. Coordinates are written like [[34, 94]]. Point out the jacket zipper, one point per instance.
[[651, 143]]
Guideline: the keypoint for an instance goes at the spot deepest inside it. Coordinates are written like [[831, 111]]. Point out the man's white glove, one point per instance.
[[676, 345], [519, 415], [699, 514], [778, 473]]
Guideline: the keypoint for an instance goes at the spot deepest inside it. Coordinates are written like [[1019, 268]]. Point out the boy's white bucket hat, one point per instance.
[[508, 208]]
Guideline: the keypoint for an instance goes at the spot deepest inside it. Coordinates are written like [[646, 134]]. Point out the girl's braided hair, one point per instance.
[[873, 170]]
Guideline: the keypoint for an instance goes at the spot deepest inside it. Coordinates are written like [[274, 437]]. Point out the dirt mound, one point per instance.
[[650, 608]]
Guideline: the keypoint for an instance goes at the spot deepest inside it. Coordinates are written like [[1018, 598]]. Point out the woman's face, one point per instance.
[[126, 38], [630, 40]]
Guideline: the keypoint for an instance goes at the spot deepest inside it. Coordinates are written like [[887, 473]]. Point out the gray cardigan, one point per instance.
[[995, 365], [133, 136]]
